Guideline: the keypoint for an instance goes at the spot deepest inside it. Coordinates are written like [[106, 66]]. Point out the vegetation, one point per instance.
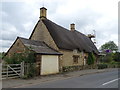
[[114, 64], [111, 57], [29, 59], [102, 66], [17, 58], [31, 70], [107, 58], [109, 47], [2, 54], [91, 59], [116, 56]]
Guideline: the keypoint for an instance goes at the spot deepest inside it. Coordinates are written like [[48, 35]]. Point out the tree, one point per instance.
[[109, 47]]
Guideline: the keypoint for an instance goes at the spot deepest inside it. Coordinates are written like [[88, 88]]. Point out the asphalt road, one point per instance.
[[98, 80]]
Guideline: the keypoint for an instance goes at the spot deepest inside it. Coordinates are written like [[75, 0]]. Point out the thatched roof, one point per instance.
[[69, 40]]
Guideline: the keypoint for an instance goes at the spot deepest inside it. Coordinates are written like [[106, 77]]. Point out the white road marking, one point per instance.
[[111, 81]]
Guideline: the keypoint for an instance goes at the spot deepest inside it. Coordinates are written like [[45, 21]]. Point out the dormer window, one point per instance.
[[75, 51]]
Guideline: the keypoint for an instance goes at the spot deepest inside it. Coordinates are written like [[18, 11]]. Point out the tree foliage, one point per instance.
[[110, 49], [109, 46]]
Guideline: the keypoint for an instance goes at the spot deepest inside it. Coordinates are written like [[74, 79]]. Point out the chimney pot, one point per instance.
[[43, 14], [72, 27]]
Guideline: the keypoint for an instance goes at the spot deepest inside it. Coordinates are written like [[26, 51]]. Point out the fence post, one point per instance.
[[7, 71], [22, 68]]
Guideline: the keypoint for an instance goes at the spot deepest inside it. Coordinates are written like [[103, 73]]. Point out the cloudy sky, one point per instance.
[[19, 18]]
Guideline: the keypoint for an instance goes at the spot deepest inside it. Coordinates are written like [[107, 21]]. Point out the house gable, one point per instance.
[[16, 47], [41, 33]]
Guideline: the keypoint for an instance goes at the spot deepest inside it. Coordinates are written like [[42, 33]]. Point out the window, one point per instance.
[[75, 51], [75, 59]]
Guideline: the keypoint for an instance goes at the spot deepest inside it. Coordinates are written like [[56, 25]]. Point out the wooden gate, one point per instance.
[[12, 70]]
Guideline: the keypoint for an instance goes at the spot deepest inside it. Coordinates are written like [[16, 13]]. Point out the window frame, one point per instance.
[[75, 59]]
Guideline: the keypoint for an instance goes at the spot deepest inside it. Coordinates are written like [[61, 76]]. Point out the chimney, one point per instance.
[[72, 27], [43, 13]]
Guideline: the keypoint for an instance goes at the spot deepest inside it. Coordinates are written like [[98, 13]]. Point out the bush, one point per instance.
[[91, 59], [31, 70], [114, 64], [102, 66], [17, 58], [28, 57], [116, 57], [24, 77], [14, 59]]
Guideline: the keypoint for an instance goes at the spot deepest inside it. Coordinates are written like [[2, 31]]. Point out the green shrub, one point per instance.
[[28, 57], [108, 58], [102, 66], [114, 64], [91, 59], [14, 59], [17, 58], [31, 70], [116, 56], [24, 77]]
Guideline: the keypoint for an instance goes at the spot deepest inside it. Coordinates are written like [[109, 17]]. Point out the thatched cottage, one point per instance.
[[55, 46]]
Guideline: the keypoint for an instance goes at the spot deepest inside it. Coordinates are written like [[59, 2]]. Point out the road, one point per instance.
[[98, 80]]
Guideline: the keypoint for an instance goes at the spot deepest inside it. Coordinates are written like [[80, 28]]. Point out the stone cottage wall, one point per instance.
[[42, 34], [67, 58], [17, 47]]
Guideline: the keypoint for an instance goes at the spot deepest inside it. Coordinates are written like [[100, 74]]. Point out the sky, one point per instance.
[[18, 18]]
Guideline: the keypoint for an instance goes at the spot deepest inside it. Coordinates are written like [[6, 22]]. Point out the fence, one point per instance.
[[12, 70], [15, 70]]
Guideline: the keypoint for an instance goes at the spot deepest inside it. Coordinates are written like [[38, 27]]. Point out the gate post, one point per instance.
[[7, 72], [22, 68]]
